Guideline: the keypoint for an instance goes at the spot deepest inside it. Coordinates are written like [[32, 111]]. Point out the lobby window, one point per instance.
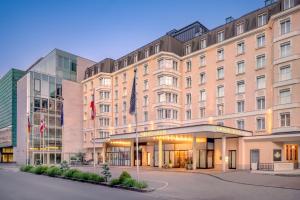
[[146, 53], [240, 48], [145, 69], [260, 103], [202, 61], [124, 120], [288, 4], [240, 87], [285, 49], [240, 106], [285, 73], [220, 91], [146, 100], [188, 115], [175, 65], [202, 112], [220, 36], [220, 73], [261, 82], [285, 26], [285, 96], [116, 108], [188, 66], [203, 43], [202, 95], [240, 67], [239, 28], [146, 116], [188, 82], [202, 78], [187, 49], [135, 58], [285, 119], [260, 123], [116, 94], [260, 61], [261, 20], [156, 48], [104, 121], [240, 124], [220, 109], [146, 84], [124, 108], [125, 62], [220, 54], [260, 40], [105, 82], [188, 99]]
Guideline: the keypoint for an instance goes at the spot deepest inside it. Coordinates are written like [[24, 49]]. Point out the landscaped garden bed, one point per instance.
[[125, 181]]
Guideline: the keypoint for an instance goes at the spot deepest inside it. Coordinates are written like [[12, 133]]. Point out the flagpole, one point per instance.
[[94, 148], [136, 132], [27, 140]]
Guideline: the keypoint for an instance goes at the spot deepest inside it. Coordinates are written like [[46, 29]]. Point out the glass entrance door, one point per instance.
[[232, 159], [206, 159], [254, 159], [180, 158]]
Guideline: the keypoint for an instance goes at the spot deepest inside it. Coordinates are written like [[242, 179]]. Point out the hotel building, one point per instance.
[[223, 98]]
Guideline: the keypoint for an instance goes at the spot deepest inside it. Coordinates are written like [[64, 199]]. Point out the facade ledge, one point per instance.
[[286, 106], [167, 71], [286, 59], [167, 88], [286, 82], [166, 105], [286, 36], [285, 129]]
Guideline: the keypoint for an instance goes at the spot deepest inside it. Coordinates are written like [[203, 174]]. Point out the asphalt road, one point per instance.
[[16, 185]]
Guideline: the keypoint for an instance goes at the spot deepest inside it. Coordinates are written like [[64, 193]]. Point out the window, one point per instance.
[[260, 61], [125, 62], [285, 73], [167, 114], [116, 121], [124, 77], [188, 99], [202, 61], [116, 81], [188, 82], [240, 87], [188, 49], [220, 73], [146, 85], [167, 97], [260, 40], [240, 106], [240, 48], [220, 54], [288, 4], [160, 64], [104, 108], [240, 124], [105, 81], [145, 69], [104, 95], [202, 95], [260, 123], [285, 26], [240, 28], [203, 43], [188, 115], [202, 78], [116, 94], [146, 53], [124, 120], [220, 91], [260, 103], [156, 48], [146, 116], [116, 108], [240, 67], [220, 109], [202, 112], [188, 66], [124, 106], [175, 65], [146, 101], [220, 36], [103, 134], [285, 96], [104, 121], [285, 119], [135, 58], [285, 49], [167, 80], [37, 85], [261, 20], [260, 82], [124, 91], [116, 66]]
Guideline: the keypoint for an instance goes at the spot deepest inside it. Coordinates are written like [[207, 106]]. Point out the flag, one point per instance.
[[42, 127], [132, 108], [62, 114], [28, 125], [93, 108]]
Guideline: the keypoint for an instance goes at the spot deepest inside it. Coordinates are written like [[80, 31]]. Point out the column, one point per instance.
[[132, 153], [223, 153], [241, 154], [104, 153], [194, 153], [160, 153]]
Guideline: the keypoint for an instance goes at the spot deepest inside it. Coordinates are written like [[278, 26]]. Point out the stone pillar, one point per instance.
[[160, 153], [103, 153], [132, 153], [241, 154], [223, 153], [194, 153]]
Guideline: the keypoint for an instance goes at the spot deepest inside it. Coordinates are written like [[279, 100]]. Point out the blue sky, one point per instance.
[[96, 29]]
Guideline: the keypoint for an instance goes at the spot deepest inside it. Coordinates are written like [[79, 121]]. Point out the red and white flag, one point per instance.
[[28, 125], [93, 108], [42, 127]]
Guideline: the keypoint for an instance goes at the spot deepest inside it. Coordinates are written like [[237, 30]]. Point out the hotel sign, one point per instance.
[[153, 133], [229, 131]]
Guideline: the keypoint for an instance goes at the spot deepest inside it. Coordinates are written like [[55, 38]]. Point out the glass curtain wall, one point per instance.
[[118, 156]]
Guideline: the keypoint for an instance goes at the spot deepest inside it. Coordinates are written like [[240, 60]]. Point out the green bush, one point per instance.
[[124, 175], [26, 168], [64, 165], [78, 175], [140, 185], [115, 181], [96, 177], [39, 169], [69, 173], [129, 182], [54, 171]]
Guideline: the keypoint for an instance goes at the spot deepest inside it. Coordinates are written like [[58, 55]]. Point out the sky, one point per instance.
[[97, 29]]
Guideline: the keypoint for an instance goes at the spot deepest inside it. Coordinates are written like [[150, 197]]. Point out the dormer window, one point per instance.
[[288, 4], [146, 53], [261, 20], [220, 36], [239, 28], [203, 43], [187, 49], [125, 62], [135, 58], [116, 66], [156, 48]]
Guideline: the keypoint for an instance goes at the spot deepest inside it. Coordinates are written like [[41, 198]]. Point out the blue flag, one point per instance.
[[62, 114], [133, 96]]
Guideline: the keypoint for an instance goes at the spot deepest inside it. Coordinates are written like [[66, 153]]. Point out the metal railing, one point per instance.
[[266, 166]]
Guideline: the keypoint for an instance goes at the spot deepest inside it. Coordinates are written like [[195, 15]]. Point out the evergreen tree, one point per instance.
[[106, 172]]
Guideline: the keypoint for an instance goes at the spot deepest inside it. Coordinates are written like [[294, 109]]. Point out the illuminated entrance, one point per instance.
[[7, 155]]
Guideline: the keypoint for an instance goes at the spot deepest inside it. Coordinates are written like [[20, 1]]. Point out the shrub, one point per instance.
[[106, 172], [114, 181], [141, 184], [26, 168], [129, 182], [124, 175], [78, 175], [39, 169], [69, 173], [96, 177], [64, 165], [54, 171]]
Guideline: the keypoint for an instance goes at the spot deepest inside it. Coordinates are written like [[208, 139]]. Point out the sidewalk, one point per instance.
[[295, 172]]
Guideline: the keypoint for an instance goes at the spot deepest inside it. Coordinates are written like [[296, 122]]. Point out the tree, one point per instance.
[[106, 172]]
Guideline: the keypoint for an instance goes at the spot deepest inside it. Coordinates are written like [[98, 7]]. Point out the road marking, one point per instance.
[[166, 184]]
